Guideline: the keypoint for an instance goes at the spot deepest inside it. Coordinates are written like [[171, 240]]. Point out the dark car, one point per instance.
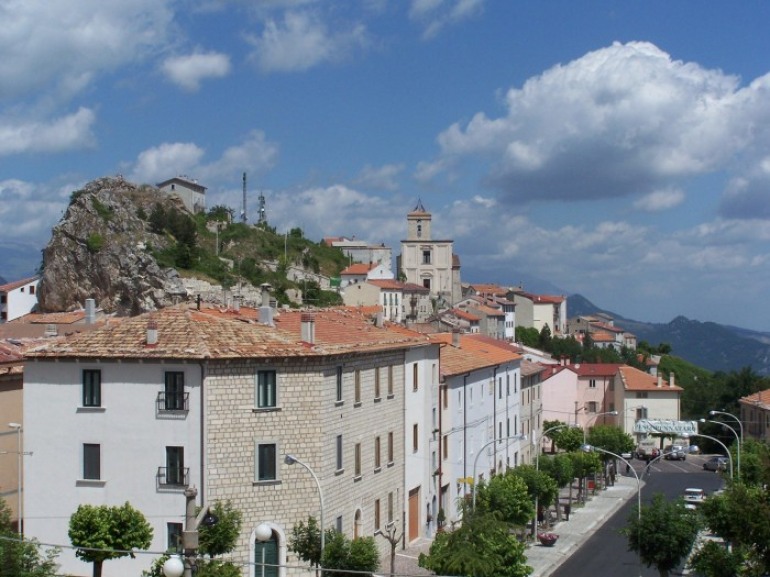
[[674, 453], [715, 464]]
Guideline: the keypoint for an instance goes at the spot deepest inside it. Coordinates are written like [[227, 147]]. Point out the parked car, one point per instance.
[[693, 497], [693, 450], [674, 453], [715, 464]]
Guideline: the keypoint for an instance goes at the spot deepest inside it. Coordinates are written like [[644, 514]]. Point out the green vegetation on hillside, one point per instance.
[[226, 252]]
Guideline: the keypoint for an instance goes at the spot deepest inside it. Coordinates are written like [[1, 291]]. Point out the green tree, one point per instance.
[[343, 557], [561, 470], [741, 517], [610, 438], [544, 338], [508, 496], [527, 336], [540, 485], [305, 541], [584, 464], [567, 439], [483, 546], [221, 537], [22, 558], [103, 532], [664, 533]]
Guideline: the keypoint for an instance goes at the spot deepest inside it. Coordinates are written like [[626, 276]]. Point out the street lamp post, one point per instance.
[[290, 460], [589, 448], [481, 450], [20, 465], [740, 424], [737, 440], [729, 456]]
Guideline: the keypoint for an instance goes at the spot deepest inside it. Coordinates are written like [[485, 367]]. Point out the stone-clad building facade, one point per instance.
[[143, 408]]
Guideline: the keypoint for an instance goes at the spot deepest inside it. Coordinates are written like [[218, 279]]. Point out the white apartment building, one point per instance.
[[139, 410], [479, 414]]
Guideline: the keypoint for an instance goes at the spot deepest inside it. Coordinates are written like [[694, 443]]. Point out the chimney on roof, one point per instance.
[[266, 311], [152, 333], [660, 380], [237, 303], [378, 320], [307, 322], [90, 311], [671, 382], [51, 330], [456, 338]]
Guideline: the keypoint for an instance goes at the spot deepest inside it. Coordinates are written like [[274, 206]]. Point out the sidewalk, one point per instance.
[[583, 521]]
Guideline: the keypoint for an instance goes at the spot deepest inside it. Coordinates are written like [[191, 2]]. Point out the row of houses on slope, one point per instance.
[[396, 425]]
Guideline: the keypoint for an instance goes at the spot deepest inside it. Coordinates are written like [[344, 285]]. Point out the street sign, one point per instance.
[[666, 427]]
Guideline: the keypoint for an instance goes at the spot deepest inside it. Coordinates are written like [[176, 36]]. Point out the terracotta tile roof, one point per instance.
[[607, 327], [602, 337], [461, 314], [474, 353], [488, 311], [759, 399], [489, 289], [65, 318], [596, 369], [16, 284], [182, 334], [398, 285], [358, 268], [10, 353], [541, 299], [636, 380]]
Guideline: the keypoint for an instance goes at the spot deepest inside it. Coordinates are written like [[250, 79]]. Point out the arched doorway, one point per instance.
[[357, 524], [266, 557]]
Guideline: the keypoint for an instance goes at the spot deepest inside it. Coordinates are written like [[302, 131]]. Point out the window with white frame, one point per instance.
[[591, 406], [92, 388], [265, 461], [591, 383], [267, 389]]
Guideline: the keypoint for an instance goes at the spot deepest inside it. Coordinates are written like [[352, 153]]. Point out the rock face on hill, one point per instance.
[[101, 250]]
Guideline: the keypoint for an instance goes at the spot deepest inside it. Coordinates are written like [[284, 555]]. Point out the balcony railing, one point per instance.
[[173, 402], [173, 476]]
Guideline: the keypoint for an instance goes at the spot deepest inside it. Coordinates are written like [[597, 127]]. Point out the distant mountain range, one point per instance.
[[709, 345]]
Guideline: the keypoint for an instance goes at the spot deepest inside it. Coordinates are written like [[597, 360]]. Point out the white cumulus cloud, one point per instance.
[[190, 70], [73, 131], [660, 200], [303, 40], [626, 119], [60, 46]]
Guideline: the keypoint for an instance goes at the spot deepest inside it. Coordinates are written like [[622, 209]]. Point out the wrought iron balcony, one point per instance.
[[173, 402], [173, 476]]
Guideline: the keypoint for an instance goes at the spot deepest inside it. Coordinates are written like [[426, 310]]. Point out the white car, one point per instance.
[[693, 497]]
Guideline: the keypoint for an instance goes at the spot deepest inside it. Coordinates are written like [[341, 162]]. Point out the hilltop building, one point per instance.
[[755, 415], [192, 194], [428, 262]]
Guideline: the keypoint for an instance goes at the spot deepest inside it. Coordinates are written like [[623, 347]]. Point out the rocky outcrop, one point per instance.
[[101, 249]]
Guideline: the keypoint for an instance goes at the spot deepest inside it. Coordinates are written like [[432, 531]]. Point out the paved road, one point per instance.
[[606, 551]]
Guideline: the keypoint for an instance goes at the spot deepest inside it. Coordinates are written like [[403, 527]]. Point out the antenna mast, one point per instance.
[[262, 215], [243, 211]]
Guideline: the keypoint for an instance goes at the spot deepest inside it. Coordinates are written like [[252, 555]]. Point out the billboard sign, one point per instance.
[[666, 427]]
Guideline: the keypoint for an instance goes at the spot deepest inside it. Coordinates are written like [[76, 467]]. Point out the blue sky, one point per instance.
[[620, 150]]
